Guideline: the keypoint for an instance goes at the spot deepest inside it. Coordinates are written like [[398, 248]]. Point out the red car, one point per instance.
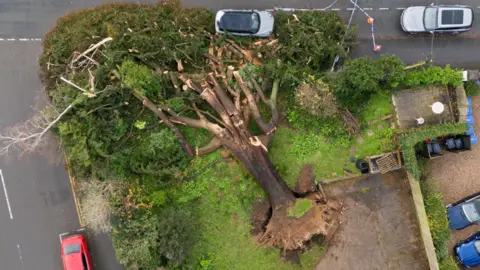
[[75, 253]]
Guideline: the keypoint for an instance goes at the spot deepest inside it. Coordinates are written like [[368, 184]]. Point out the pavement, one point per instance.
[[37, 204], [378, 226]]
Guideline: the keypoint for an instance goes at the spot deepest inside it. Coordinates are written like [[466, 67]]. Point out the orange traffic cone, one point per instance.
[[370, 20]]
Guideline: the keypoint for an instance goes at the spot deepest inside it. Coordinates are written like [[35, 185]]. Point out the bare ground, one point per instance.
[[457, 176], [378, 229]]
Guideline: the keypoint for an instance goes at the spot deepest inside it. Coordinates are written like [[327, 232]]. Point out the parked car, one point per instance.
[[244, 22], [437, 19], [75, 254], [468, 251], [464, 213]]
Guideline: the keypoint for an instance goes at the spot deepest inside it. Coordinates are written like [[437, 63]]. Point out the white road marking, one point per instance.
[[383, 8], [60, 236], [81, 229], [10, 39], [367, 8], [350, 9], [6, 195], [335, 9], [400, 8], [21, 258]]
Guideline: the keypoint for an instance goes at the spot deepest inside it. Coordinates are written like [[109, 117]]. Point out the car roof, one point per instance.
[[237, 21]]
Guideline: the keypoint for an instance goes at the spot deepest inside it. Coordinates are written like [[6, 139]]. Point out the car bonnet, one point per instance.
[[456, 218], [467, 254], [412, 19]]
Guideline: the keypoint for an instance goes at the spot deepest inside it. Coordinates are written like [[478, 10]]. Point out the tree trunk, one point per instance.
[[258, 164]]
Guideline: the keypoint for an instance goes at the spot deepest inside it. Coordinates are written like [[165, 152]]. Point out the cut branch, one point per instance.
[[28, 136], [103, 41], [267, 128]]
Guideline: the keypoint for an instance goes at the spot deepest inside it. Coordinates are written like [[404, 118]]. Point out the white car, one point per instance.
[[244, 22], [437, 19]]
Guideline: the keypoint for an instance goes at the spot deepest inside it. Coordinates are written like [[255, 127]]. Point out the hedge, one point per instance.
[[407, 142]]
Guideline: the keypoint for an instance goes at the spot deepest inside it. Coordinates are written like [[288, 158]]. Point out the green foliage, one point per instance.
[[176, 227], [437, 219], [407, 142], [140, 77], [433, 75], [448, 264], [300, 207], [308, 45], [135, 238], [153, 34], [363, 77], [472, 89]]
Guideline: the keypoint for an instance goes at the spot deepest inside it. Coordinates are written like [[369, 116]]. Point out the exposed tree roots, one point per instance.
[[291, 233]]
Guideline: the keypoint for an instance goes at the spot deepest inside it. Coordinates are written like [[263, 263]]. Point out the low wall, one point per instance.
[[423, 222]]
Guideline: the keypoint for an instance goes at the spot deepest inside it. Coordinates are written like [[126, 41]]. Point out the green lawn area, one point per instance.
[[290, 150], [379, 105], [375, 138], [224, 196]]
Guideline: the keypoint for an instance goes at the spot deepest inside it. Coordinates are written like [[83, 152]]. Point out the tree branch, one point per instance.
[[29, 135], [265, 127], [213, 145], [158, 112]]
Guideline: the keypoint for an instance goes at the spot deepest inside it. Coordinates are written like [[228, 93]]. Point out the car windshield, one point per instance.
[[241, 22], [430, 18], [71, 249], [472, 211], [477, 246]]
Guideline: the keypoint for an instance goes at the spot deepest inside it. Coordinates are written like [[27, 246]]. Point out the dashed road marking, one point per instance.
[[21, 258], [367, 8], [400, 8], [383, 8], [6, 195], [335, 9]]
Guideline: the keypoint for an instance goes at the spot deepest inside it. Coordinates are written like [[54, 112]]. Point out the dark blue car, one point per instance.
[[464, 213], [468, 252]]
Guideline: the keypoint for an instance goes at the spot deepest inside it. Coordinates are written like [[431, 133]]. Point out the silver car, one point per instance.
[[244, 22], [437, 19]]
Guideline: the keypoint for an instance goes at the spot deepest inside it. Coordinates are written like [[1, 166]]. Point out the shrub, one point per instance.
[[433, 75], [437, 220], [95, 203], [316, 98], [472, 89], [407, 142], [361, 77], [448, 264]]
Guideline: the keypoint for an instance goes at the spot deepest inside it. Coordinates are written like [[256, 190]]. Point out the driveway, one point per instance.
[[378, 229], [456, 176]]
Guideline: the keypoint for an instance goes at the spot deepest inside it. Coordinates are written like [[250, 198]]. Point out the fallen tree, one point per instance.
[[128, 81]]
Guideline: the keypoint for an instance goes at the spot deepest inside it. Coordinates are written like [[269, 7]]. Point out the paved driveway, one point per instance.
[[379, 228]]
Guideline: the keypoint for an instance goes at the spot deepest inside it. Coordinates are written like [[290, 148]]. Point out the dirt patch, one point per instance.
[[306, 180], [291, 256], [260, 216]]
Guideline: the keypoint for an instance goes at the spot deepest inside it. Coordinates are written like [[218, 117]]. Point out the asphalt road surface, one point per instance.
[[40, 203]]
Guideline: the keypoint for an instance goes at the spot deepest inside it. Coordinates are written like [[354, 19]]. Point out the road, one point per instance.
[[40, 203]]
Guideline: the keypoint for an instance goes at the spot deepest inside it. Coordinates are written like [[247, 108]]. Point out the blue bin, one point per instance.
[[470, 120], [469, 100], [470, 111], [470, 130], [473, 139]]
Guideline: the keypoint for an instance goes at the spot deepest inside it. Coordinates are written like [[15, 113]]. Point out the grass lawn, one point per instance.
[[379, 105], [290, 150], [375, 138], [224, 195]]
